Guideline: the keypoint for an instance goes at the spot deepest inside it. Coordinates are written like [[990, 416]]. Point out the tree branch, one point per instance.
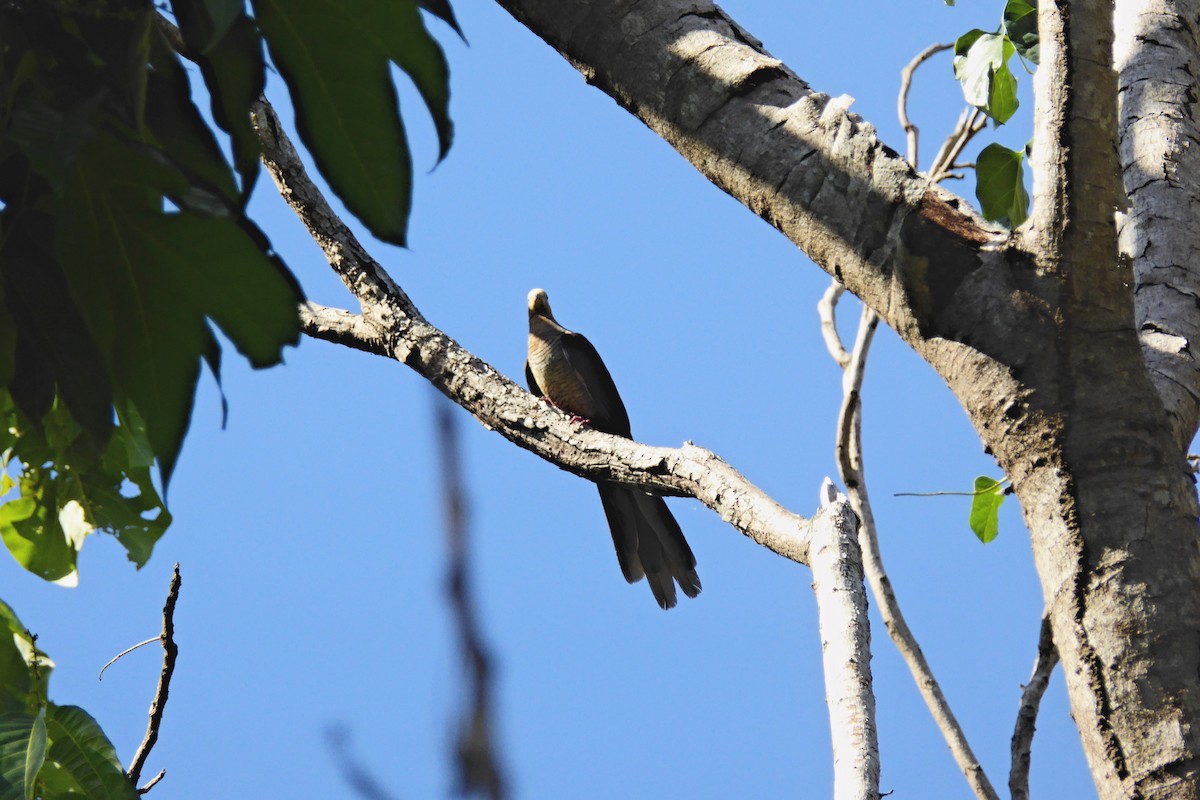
[[845, 631], [795, 157], [827, 311], [1160, 230], [496, 401], [911, 132], [850, 465], [1031, 698], [170, 653], [342, 327]]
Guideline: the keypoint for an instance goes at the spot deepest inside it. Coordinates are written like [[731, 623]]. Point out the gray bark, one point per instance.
[[1036, 334]]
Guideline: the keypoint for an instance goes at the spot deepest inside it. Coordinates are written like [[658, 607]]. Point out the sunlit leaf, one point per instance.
[[1000, 185], [1020, 24], [985, 508]]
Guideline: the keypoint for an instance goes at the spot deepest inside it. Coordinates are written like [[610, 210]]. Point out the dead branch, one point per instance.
[[170, 654]]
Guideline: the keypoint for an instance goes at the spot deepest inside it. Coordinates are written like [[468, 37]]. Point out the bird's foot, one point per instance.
[[578, 420]]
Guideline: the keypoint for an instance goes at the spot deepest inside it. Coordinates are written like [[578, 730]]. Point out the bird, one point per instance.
[[564, 368]]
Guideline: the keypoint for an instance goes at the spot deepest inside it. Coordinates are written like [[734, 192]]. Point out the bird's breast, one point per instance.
[[559, 381]]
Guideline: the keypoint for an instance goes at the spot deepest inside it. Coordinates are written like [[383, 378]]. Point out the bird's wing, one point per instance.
[[531, 381], [608, 412]]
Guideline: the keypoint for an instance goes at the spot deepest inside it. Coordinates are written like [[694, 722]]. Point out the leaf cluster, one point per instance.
[[981, 65], [48, 750], [124, 239]]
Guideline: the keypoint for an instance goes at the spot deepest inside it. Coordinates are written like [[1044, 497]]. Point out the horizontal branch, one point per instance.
[[392, 325]]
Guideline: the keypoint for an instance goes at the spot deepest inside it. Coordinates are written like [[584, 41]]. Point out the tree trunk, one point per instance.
[[1037, 333]]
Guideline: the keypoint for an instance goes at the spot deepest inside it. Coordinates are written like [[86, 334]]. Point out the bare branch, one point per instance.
[[910, 130], [170, 653], [970, 122], [1031, 698], [850, 464], [478, 769], [846, 648], [150, 784], [499, 403], [827, 310]]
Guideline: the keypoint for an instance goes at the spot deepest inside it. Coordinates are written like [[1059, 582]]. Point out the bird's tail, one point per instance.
[[649, 542]]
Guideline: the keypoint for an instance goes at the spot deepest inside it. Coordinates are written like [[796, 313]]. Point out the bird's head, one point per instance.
[[539, 303]]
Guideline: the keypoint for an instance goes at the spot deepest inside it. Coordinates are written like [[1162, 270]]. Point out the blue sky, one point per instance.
[[309, 530]]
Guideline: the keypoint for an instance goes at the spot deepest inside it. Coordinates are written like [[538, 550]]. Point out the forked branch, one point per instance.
[[159, 704]]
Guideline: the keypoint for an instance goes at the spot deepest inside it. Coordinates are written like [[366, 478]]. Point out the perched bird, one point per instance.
[[564, 368]]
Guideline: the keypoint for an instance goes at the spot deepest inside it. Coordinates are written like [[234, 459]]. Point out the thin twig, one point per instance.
[[849, 449], [126, 652], [478, 770], [970, 122], [1031, 698], [150, 783], [827, 311], [170, 653], [850, 464], [910, 130], [360, 780]]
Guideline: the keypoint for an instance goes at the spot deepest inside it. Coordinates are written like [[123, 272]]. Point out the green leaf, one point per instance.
[[345, 101], [985, 508], [1020, 25], [22, 752], [35, 754], [32, 530], [980, 63], [1002, 99], [37, 295], [204, 22], [442, 10], [79, 748], [234, 70], [178, 128], [51, 139], [122, 497], [146, 280], [1000, 185], [24, 668]]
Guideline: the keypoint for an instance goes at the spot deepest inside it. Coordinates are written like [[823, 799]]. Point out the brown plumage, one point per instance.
[[564, 368]]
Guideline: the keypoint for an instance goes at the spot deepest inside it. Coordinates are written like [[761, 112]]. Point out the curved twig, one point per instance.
[[911, 132], [827, 310], [126, 652], [849, 449], [850, 465]]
